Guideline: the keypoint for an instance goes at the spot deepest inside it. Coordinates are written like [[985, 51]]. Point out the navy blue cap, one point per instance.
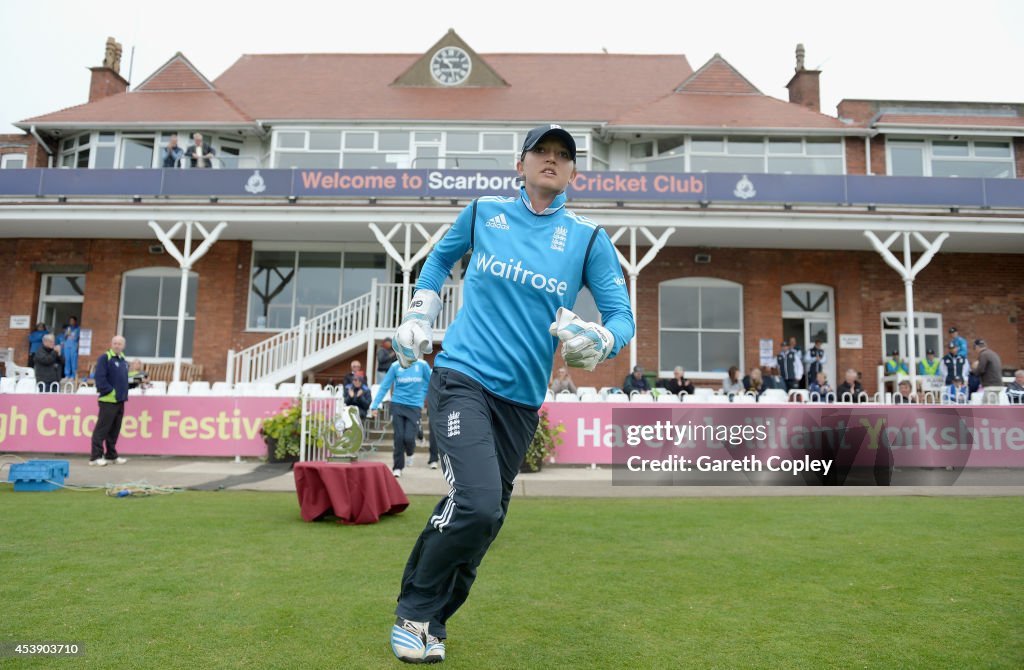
[[540, 132]]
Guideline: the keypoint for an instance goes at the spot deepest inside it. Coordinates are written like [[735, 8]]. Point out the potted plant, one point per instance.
[[282, 433], [543, 444]]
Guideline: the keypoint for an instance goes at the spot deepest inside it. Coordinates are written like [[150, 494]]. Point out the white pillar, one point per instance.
[[179, 336], [908, 292], [301, 350]]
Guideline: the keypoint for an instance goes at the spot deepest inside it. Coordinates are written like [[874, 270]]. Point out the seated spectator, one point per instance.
[[774, 380], [48, 365], [733, 384], [851, 389], [930, 366], [1015, 390], [137, 376], [356, 370], [903, 396], [753, 383], [358, 395], [895, 365], [678, 383], [820, 390], [956, 393], [562, 382], [636, 382]]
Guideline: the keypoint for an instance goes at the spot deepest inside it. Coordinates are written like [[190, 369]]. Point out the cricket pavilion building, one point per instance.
[[740, 218]]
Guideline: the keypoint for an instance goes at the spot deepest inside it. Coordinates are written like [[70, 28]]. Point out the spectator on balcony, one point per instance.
[[989, 368], [678, 383], [35, 340], [790, 365], [851, 389], [1015, 390], [359, 395], [953, 364], [200, 154], [820, 390], [753, 383], [961, 343], [732, 384], [356, 370], [172, 152], [562, 382], [814, 361], [774, 380], [957, 392], [69, 347], [385, 357], [895, 365], [48, 365], [930, 366], [636, 381], [903, 395]]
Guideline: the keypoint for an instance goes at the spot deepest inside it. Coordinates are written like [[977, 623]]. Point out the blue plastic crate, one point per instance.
[[38, 475]]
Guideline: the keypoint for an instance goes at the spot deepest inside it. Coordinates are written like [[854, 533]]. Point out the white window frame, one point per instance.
[[173, 274], [928, 155], [920, 331], [296, 248], [688, 152], [45, 298], [8, 158], [700, 282]]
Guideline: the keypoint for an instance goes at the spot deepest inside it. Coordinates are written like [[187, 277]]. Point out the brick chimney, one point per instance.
[[803, 87], [106, 78]]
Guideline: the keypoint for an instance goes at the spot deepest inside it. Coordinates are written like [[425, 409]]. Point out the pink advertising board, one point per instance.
[[159, 425]]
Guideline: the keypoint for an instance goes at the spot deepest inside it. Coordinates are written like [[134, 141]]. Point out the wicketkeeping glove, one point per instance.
[[584, 343], [414, 336]]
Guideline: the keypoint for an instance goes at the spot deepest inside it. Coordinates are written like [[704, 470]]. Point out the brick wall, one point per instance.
[[35, 155]]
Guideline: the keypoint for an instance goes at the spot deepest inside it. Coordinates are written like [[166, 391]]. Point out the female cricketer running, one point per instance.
[[530, 258]]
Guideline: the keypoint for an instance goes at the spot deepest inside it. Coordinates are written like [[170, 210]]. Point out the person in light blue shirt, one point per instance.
[[529, 258], [961, 343], [409, 389]]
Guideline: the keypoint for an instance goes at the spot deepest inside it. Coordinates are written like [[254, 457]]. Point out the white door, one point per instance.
[[808, 313]]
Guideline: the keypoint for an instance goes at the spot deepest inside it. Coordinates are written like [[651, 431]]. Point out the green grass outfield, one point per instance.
[[237, 579]]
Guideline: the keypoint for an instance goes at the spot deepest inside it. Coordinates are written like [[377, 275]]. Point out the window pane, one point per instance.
[[824, 147], [641, 150], [930, 342], [83, 159], [291, 140], [892, 343], [388, 140], [428, 137], [906, 161], [745, 146], [358, 140], [426, 158], [105, 157], [671, 145], [270, 292], [785, 146], [931, 322], [360, 269], [68, 160], [136, 153], [678, 348], [941, 148], [107, 137], [805, 165], [140, 337], [708, 144], [140, 296], [318, 283], [720, 307], [670, 164], [368, 162], [65, 286], [726, 164], [324, 140], [969, 168], [290, 159], [171, 293], [500, 142], [478, 162], [992, 149], [463, 141], [168, 333], [719, 351], [679, 305]]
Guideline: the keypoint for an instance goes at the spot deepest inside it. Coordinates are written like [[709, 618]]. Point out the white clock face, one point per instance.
[[450, 66]]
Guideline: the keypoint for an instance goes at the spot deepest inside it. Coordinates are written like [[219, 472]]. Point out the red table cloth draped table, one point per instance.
[[356, 493]]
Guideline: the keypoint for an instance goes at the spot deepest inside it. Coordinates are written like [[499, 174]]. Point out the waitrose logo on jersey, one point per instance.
[[513, 271]]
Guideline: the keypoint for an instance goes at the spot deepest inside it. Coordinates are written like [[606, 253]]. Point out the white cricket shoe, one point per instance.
[[397, 473], [99, 461], [409, 460], [412, 643], [433, 466], [120, 460]]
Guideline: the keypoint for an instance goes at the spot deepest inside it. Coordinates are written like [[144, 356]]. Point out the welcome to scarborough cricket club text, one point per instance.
[[408, 182]]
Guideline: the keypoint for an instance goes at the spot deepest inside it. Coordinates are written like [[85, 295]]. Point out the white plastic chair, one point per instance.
[[311, 388], [177, 388], [26, 385], [199, 388], [548, 396], [157, 388], [704, 393], [774, 395], [7, 384], [744, 399], [586, 390], [799, 395], [590, 397], [261, 390], [616, 397], [220, 389], [87, 390], [641, 397], [566, 396], [668, 398], [977, 398], [288, 390]]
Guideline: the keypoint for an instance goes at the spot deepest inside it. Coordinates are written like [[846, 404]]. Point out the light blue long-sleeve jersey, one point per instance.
[[410, 385], [524, 266]]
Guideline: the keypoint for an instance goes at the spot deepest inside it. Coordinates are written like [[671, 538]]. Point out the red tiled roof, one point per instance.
[[718, 76], [157, 108], [724, 111], [177, 74], [568, 87], [944, 121]]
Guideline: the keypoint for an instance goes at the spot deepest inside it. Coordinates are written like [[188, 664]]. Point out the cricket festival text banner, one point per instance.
[[788, 445]]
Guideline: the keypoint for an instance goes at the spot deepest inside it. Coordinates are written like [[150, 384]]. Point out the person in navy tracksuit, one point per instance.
[[112, 385]]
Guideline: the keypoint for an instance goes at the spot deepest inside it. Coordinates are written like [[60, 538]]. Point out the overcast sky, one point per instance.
[[903, 49]]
